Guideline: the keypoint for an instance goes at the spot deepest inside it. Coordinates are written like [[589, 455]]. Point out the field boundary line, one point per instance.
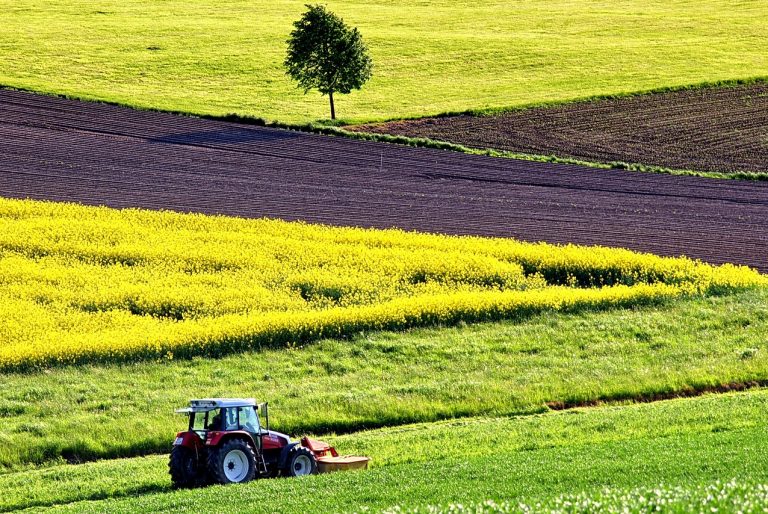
[[444, 145], [339, 129], [687, 391]]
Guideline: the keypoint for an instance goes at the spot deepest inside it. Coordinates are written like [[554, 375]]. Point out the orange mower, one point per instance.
[[226, 443]]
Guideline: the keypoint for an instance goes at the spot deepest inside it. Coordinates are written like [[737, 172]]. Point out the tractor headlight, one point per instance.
[[178, 441]]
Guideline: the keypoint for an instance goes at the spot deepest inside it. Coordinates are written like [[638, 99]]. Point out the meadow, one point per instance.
[[430, 56], [677, 448]]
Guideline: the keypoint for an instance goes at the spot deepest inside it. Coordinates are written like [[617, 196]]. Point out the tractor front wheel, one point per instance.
[[234, 462], [301, 462], [185, 469]]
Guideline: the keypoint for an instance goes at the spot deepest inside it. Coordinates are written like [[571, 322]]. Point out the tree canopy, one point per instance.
[[327, 55]]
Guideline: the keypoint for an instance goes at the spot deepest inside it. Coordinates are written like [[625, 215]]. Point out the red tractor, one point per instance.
[[226, 443]]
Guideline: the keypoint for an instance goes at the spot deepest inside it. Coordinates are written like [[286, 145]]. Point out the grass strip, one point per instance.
[[489, 152], [338, 129], [538, 457], [423, 142]]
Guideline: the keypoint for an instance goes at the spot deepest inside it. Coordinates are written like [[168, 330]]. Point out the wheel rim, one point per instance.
[[235, 466], [302, 465]]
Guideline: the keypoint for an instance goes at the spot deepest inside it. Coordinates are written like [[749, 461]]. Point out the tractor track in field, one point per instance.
[[64, 150]]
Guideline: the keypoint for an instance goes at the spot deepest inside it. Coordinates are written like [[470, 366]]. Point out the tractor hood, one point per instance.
[[272, 439]]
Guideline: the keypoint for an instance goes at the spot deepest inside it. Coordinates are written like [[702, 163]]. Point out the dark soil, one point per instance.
[[712, 129], [97, 154]]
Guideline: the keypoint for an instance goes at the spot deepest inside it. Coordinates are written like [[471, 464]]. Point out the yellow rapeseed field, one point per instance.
[[84, 284]]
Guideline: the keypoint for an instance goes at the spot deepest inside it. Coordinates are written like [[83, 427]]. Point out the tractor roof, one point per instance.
[[208, 404]]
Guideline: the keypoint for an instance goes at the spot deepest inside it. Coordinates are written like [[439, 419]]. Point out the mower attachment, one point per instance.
[[328, 459]]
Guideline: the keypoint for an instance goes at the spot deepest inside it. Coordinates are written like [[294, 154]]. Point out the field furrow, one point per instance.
[[708, 129], [58, 149]]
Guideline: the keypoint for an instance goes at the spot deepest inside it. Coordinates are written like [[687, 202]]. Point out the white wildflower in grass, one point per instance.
[[734, 495]]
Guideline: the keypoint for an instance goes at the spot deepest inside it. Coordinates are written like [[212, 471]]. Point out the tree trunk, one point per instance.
[[333, 111]]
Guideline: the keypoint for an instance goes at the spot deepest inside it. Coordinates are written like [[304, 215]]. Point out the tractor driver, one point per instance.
[[215, 423]]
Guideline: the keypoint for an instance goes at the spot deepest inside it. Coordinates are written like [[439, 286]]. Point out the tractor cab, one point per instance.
[[226, 415]]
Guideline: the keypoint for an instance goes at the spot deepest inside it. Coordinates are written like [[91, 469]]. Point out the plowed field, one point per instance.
[[97, 154], [713, 129]]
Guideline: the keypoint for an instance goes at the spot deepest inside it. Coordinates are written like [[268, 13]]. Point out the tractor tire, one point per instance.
[[234, 462], [301, 462], [185, 468]]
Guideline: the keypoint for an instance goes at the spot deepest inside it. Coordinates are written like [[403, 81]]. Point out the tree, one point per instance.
[[327, 55]]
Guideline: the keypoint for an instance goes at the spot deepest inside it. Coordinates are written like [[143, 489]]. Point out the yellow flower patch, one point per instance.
[[84, 284]]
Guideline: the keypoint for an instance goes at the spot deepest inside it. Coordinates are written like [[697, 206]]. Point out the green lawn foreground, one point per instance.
[[683, 442], [389, 379], [430, 57]]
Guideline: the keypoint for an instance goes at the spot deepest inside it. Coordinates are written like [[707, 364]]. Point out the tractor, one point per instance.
[[226, 443]]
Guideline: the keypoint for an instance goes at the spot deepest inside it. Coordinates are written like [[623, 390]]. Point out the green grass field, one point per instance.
[[380, 379], [430, 56], [690, 442]]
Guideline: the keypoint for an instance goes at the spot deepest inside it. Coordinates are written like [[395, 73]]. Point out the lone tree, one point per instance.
[[327, 55]]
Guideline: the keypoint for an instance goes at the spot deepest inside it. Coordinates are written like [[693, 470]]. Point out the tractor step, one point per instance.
[[261, 465]]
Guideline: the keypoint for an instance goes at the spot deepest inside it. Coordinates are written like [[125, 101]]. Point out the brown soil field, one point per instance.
[[97, 154], [711, 129]]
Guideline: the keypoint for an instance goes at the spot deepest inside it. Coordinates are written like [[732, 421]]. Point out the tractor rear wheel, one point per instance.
[[234, 462], [301, 462], [185, 468]]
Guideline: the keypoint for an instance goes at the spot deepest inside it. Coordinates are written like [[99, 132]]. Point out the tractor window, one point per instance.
[[198, 421], [230, 417], [214, 419], [249, 420]]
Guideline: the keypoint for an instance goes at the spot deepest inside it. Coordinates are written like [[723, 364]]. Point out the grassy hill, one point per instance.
[[389, 379], [449, 411], [680, 447], [430, 56]]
